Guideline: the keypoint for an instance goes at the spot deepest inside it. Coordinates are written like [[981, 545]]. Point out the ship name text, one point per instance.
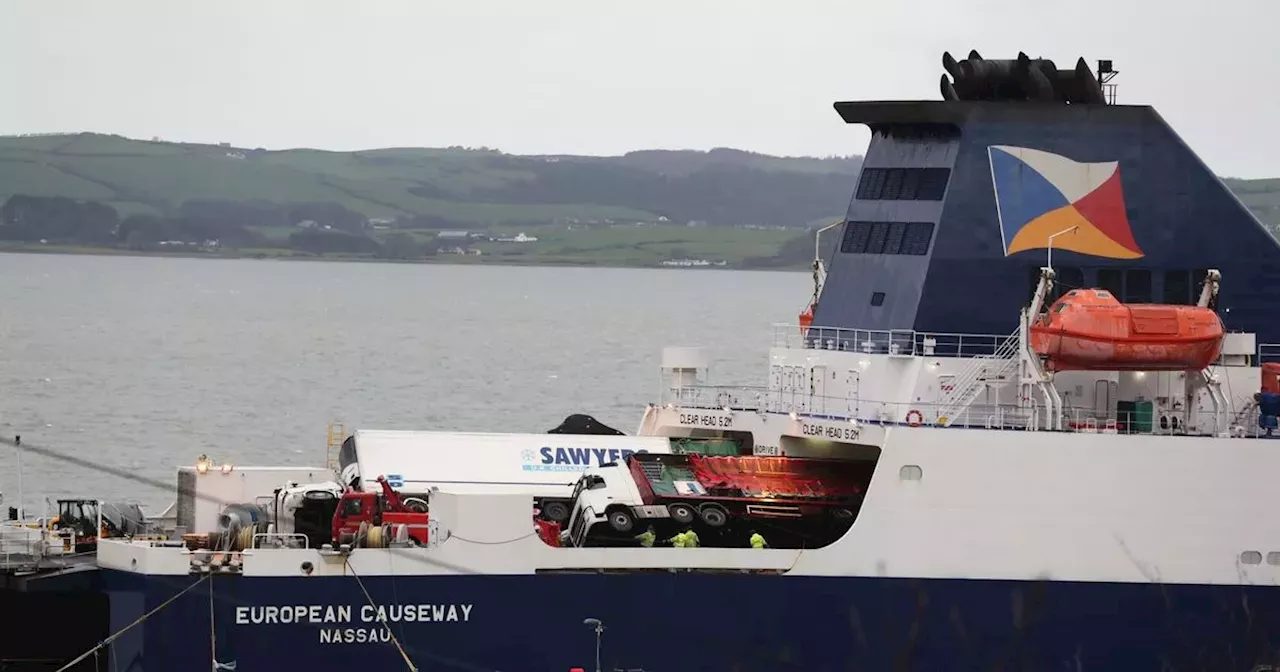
[[374, 618]]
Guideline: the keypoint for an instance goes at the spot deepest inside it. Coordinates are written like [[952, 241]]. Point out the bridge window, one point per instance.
[[1067, 278], [903, 184], [1183, 287], [1177, 287], [1197, 282], [887, 238], [1137, 286], [1112, 280]]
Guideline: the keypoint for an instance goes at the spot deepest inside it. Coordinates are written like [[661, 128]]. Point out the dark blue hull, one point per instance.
[[669, 622]]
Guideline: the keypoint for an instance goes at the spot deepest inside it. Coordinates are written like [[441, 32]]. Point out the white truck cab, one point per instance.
[[608, 493]]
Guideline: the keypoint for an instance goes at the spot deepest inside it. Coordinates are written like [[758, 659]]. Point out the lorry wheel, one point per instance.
[[415, 504], [621, 520], [681, 513], [555, 511], [713, 515]]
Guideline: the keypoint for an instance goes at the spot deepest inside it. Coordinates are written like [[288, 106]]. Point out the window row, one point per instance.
[[887, 238], [1138, 285], [903, 184]]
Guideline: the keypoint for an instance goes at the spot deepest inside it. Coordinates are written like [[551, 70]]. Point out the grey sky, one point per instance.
[[600, 76]]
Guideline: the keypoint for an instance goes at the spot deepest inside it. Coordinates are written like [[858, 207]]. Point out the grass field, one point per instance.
[[483, 191], [639, 245]]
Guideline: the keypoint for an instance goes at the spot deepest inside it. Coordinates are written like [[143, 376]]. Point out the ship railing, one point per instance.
[[22, 546], [280, 540], [1268, 352], [735, 397], [905, 342], [976, 416]]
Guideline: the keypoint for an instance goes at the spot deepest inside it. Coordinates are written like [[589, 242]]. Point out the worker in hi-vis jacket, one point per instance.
[[757, 541], [647, 537]]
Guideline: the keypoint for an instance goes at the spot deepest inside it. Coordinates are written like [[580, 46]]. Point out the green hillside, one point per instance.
[[640, 208]]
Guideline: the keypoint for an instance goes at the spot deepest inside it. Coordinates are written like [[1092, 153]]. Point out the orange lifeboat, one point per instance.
[[806, 319], [1089, 330]]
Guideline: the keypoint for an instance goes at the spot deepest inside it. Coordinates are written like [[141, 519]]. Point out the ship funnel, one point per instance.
[[1023, 79]]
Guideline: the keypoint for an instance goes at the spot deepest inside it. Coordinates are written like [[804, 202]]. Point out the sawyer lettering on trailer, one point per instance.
[[572, 459]]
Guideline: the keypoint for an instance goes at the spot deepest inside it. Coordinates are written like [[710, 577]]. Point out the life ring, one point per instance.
[[914, 418]]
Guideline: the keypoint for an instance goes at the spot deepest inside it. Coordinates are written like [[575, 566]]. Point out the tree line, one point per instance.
[[320, 227]]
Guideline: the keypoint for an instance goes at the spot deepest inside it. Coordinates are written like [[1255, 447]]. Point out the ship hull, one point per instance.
[[676, 621]]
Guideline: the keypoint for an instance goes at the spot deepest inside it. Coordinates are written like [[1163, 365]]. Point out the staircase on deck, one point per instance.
[[998, 368]]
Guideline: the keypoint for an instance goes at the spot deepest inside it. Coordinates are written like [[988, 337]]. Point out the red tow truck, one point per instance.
[[373, 519]]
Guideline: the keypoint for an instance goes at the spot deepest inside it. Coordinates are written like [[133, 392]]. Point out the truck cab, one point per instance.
[[605, 493], [372, 518]]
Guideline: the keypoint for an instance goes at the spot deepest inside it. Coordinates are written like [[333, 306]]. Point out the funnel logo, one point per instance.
[[1039, 194]]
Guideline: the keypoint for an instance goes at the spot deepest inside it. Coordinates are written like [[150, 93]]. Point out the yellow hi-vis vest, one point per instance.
[[757, 541]]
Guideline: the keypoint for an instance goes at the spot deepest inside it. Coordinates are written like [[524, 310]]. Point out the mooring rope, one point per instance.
[[116, 635]]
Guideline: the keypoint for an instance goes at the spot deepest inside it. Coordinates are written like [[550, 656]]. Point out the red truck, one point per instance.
[[819, 497], [370, 518]]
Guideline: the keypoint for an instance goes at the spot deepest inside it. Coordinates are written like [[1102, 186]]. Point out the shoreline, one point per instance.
[[442, 260]]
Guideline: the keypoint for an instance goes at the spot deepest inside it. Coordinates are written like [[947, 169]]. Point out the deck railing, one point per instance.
[[890, 342], [977, 415]]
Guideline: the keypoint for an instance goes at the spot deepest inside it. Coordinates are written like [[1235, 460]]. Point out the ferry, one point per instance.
[[1040, 335]]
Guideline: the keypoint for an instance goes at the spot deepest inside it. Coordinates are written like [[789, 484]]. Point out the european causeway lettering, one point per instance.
[[353, 624]]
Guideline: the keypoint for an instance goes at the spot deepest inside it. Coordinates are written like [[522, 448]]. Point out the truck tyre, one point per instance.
[[555, 511], [681, 513], [415, 504], [621, 520], [843, 514], [713, 515]]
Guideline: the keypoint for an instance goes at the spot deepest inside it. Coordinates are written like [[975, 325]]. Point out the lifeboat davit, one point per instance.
[[1089, 330]]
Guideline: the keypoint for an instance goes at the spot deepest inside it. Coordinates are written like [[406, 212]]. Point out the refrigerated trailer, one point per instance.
[[544, 466]]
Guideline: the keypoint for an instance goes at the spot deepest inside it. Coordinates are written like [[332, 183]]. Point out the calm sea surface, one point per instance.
[[143, 364]]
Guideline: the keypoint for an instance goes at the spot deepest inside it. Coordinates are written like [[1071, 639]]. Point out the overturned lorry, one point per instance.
[[811, 501]]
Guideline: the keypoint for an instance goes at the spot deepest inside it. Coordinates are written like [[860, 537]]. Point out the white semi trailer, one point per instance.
[[544, 466]]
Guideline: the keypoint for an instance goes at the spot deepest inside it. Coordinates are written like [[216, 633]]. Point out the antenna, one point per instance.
[[1106, 73]]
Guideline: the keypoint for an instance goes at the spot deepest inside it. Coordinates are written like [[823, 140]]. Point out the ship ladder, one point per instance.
[[116, 635], [335, 435]]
